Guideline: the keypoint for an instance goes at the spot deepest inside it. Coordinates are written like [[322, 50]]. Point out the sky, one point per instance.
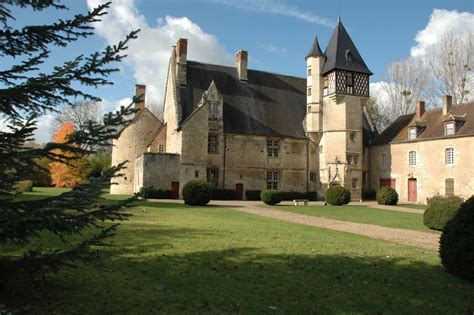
[[276, 33]]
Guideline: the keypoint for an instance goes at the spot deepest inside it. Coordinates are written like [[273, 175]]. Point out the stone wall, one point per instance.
[[430, 170], [157, 170]]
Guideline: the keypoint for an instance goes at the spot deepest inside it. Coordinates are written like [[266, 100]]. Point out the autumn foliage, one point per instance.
[[73, 169]]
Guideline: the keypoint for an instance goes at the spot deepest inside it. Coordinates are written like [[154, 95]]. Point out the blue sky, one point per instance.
[[277, 33]]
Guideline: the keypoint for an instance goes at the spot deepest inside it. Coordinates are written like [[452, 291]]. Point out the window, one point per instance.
[[309, 91], [325, 85], [352, 159], [412, 158], [349, 82], [383, 160], [449, 156], [213, 176], [449, 186], [196, 174], [412, 134], [161, 148], [273, 178], [309, 72], [312, 176], [355, 183], [212, 144], [352, 136], [449, 129], [273, 147]]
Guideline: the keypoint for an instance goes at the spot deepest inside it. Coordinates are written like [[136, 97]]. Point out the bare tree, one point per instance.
[[80, 112], [451, 66]]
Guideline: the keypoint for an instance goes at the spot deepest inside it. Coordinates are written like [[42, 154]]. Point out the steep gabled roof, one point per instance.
[[315, 49], [433, 125], [341, 53]]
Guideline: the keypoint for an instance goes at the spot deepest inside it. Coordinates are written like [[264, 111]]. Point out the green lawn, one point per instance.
[[362, 214], [175, 259], [411, 205]]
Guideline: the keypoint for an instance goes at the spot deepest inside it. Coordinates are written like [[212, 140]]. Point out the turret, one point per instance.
[[314, 63]]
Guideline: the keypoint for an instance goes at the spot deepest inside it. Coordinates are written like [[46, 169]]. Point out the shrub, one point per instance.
[[271, 197], [155, 193], [253, 194], [197, 193], [24, 186], [440, 210], [311, 195], [457, 242], [369, 194], [338, 196], [387, 196], [223, 194]]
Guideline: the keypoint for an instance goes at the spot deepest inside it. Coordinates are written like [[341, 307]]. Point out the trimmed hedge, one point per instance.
[[23, 186], [338, 196], [271, 197], [197, 193], [369, 194], [440, 210], [155, 193], [387, 196], [223, 194], [253, 194], [457, 242], [291, 195]]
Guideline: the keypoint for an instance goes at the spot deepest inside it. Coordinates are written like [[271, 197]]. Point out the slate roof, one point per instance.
[[268, 104], [315, 49], [434, 121], [341, 53]]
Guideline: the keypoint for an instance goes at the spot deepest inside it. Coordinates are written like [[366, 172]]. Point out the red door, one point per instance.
[[239, 191], [412, 190], [387, 182], [175, 190]]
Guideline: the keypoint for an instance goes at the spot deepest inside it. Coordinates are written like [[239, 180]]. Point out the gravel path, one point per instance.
[[400, 236]]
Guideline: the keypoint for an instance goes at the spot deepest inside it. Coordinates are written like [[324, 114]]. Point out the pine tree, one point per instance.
[[26, 94]]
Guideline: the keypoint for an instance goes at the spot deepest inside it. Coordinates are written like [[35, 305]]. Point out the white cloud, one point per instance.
[[273, 49], [277, 7], [44, 128], [149, 54], [442, 22]]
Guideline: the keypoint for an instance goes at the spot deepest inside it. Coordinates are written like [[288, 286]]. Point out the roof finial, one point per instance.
[[338, 11]]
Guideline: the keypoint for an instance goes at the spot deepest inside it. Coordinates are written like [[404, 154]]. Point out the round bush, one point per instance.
[[440, 210], [457, 242], [271, 197], [387, 196], [197, 193], [338, 196]]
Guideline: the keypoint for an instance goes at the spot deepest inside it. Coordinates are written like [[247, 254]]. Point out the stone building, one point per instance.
[[245, 129], [430, 152]]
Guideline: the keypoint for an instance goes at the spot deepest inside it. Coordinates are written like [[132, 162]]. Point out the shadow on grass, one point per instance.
[[245, 280]]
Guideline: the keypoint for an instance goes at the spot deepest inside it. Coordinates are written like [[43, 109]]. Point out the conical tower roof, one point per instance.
[[315, 49], [341, 53]]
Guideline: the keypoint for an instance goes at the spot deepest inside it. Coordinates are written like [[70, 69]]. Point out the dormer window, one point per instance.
[[450, 128], [412, 133], [349, 82]]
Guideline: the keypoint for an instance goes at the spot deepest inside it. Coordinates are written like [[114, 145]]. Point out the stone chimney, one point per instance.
[[181, 60], [447, 103], [140, 90], [241, 60], [420, 109]]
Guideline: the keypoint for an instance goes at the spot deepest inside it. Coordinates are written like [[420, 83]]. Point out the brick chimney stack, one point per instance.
[[447, 103], [420, 109], [241, 61], [140, 90], [181, 59]]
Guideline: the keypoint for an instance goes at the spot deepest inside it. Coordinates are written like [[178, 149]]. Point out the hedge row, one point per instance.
[[223, 194], [155, 193], [285, 195]]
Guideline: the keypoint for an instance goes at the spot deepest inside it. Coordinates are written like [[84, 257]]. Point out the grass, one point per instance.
[[362, 214], [413, 206], [170, 258]]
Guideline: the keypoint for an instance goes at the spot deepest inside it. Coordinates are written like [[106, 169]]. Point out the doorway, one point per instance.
[[175, 190], [412, 190], [239, 191]]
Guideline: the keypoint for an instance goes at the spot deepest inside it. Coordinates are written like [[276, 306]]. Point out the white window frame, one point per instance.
[[412, 158], [412, 134], [273, 179], [352, 159], [273, 147], [450, 128], [449, 156], [383, 159]]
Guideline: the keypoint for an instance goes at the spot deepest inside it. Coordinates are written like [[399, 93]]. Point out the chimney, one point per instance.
[[420, 109], [241, 60], [447, 103], [140, 90], [181, 59]]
